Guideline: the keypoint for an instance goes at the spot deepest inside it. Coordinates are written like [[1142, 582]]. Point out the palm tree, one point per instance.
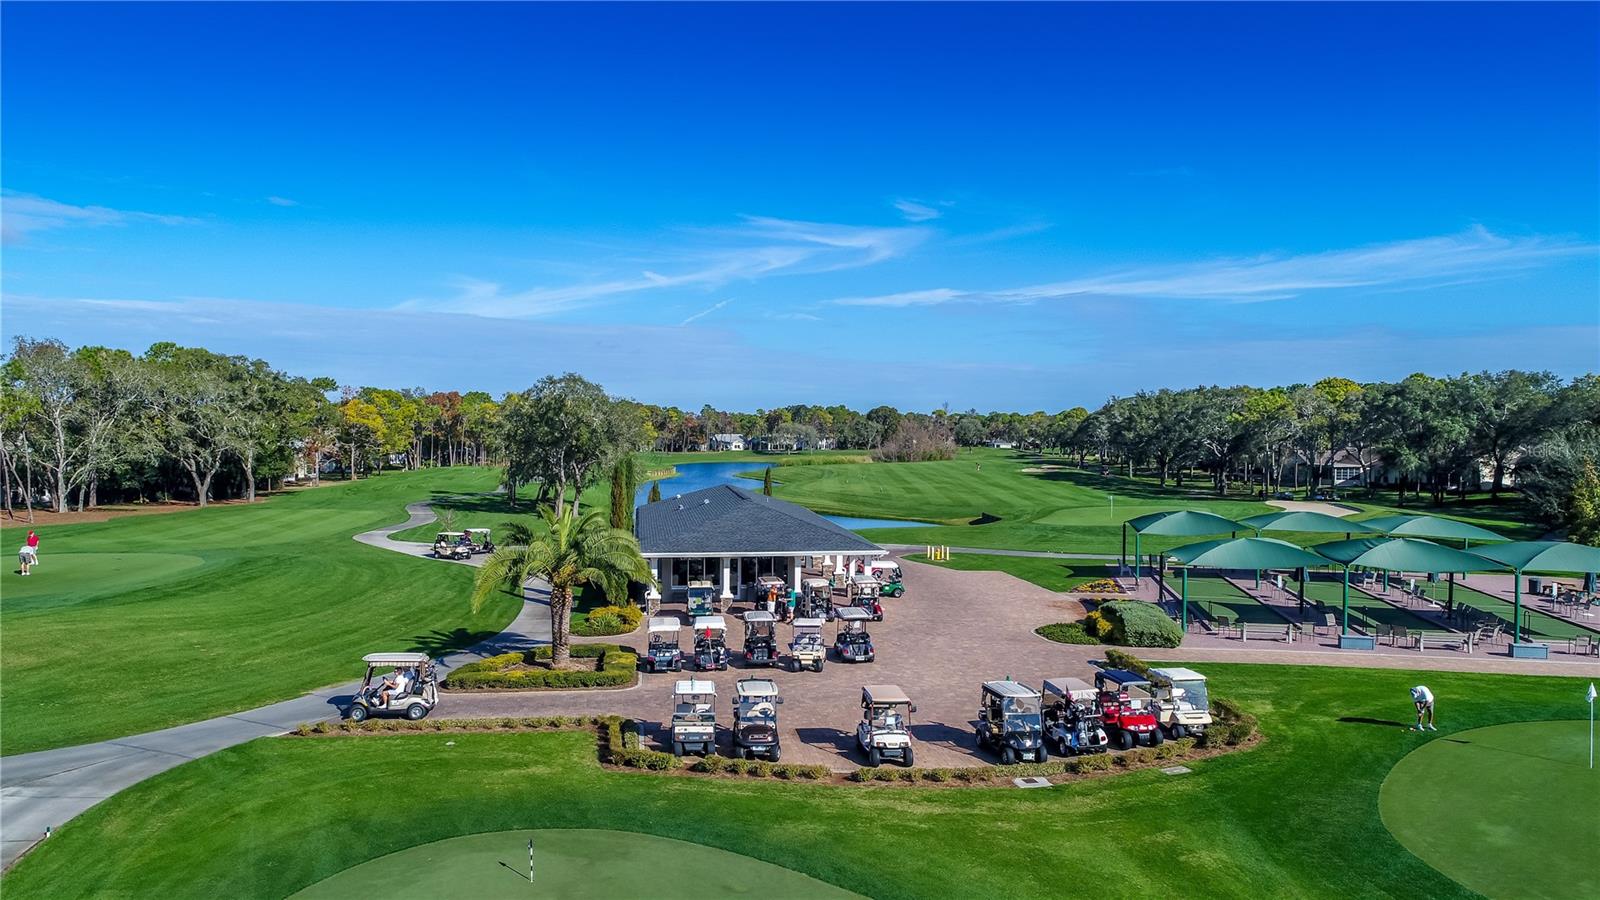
[[567, 551]]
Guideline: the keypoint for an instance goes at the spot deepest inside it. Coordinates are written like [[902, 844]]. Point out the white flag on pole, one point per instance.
[[1591, 695]]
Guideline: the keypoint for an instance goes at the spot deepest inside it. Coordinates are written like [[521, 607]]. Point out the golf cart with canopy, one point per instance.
[[710, 643], [1182, 705], [1071, 719], [1010, 722], [414, 697], [662, 653], [760, 638], [769, 590], [452, 545], [815, 600], [851, 643], [1126, 712], [694, 717], [702, 598], [889, 577], [884, 732], [755, 719], [864, 591], [805, 646], [478, 539]]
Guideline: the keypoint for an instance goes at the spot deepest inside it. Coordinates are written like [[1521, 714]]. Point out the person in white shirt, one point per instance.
[[393, 684], [1423, 698]]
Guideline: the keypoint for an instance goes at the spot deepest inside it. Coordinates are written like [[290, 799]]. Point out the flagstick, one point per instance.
[[1590, 697], [530, 860]]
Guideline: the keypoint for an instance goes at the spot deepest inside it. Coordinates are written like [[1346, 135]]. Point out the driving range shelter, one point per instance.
[[1238, 554], [1174, 523], [1395, 554], [1541, 558]]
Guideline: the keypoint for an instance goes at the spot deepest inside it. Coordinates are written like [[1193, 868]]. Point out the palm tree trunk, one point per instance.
[[560, 625]]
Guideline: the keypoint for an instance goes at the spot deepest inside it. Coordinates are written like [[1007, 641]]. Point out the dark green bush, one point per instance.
[[1066, 633], [1135, 624], [1119, 659], [617, 736], [618, 667], [1098, 762], [608, 620]]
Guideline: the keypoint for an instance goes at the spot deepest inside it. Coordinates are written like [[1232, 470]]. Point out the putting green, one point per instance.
[[568, 863], [1508, 811]]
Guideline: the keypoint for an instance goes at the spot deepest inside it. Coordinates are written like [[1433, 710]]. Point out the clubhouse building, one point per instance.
[[730, 536]]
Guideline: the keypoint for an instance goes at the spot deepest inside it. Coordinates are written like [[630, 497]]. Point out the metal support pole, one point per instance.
[[1346, 600], [1516, 607], [1301, 594], [1124, 547], [1450, 596], [1185, 601], [1136, 559]]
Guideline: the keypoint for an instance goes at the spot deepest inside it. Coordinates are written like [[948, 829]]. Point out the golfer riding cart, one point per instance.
[[452, 545], [815, 600], [851, 643], [864, 591], [702, 598], [1182, 705], [710, 643], [1010, 722], [694, 718], [768, 591], [478, 539], [1071, 720], [805, 646], [1125, 708], [755, 719], [662, 653], [760, 638], [884, 732], [412, 691], [889, 577]]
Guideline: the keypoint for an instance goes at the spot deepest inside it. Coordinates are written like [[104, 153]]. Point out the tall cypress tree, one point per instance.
[[655, 491], [622, 493], [766, 482]]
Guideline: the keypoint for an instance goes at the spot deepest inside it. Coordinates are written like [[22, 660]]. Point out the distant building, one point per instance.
[[726, 442], [776, 443], [1000, 444]]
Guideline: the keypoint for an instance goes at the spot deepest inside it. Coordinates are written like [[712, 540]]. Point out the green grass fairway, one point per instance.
[[1050, 574], [1297, 816], [572, 864], [1508, 811], [150, 621]]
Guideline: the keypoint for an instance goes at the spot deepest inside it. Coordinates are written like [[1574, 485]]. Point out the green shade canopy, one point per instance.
[[1430, 527], [1245, 553], [1404, 555], [1544, 556], [1184, 523], [1305, 520]]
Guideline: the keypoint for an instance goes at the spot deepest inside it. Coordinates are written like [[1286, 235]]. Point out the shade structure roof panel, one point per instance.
[[1397, 554], [1245, 553], [1184, 523], [1430, 527], [1307, 520], [1544, 556]]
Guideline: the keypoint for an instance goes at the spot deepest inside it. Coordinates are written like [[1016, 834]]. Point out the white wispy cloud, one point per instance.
[[24, 214], [756, 248], [275, 200], [1473, 255], [796, 317], [916, 212], [706, 312]]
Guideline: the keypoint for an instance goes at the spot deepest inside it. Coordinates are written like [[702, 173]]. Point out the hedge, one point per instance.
[[1074, 765], [1135, 624], [621, 747], [1066, 633], [608, 620], [618, 667], [502, 723]]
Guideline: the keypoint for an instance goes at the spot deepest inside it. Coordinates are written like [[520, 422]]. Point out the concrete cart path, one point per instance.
[[982, 551], [47, 788]]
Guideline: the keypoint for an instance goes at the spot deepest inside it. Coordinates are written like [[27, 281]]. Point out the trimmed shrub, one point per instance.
[[1097, 626], [1067, 633], [712, 763], [1097, 762], [1119, 659], [1135, 624], [619, 734], [618, 667], [608, 620], [1230, 725]]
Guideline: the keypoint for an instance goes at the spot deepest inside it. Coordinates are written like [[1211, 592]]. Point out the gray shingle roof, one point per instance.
[[726, 519]]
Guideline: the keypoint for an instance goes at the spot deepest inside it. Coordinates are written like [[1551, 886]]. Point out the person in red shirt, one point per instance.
[[33, 544]]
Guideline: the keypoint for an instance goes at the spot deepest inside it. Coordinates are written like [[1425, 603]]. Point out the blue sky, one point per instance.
[[1012, 207]]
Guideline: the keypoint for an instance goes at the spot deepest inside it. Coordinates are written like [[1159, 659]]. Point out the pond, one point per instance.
[[698, 476]]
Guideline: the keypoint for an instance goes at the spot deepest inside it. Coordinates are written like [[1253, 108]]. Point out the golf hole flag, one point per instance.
[[1590, 697]]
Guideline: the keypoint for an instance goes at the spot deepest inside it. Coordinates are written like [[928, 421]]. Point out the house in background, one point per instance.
[[1000, 444], [726, 442], [776, 443]]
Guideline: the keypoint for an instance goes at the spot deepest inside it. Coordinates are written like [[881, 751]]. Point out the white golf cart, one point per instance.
[[889, 576], [755, 719], [710, 643], [452, 545], [662, 652], [806, 647], [412, 692], [760, 638], [1182, 705], [694, 718], [864, 591], [851, 643], [702, 598], [815, 600], [1071, 718], [480, 542], [884, 732]]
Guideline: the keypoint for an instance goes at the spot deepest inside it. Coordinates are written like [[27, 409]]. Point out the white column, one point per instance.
[[727, 589], [655, 575], [794, 578]]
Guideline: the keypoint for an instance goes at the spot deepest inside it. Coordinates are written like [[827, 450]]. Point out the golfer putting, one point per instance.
[[1423, 698]]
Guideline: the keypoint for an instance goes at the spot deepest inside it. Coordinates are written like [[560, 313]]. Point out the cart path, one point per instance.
[[47, 788], [988, 551]]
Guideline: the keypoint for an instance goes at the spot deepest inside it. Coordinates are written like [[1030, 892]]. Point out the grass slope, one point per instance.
[[150, 621], [1297, 816], [1050, 574]]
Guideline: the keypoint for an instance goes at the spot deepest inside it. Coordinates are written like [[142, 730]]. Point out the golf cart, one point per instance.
[[864, 591], [694, 718], [1125, 708], [806, 647], [662, 653], [452, 545], [710, 643], [815, 600], [769, 589], [418, 694], [884, 732], [755, 719], [760, 638], [1071, 721], [702, 598], [1010, 722], [1182, 705], [851, 643], [889, 577], [478, 539]]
